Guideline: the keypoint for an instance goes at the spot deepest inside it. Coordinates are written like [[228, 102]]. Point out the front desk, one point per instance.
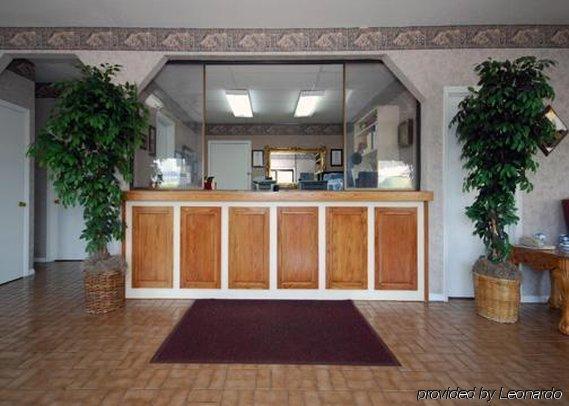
[[362, 245]]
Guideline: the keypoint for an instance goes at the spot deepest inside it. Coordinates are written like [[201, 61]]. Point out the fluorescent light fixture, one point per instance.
[[154, 102], [240, 102], [307, 102]]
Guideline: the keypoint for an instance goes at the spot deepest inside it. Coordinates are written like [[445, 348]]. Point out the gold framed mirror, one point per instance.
[[287, 165]]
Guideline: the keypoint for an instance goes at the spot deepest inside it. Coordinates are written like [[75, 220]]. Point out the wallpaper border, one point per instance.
[[284, 40]]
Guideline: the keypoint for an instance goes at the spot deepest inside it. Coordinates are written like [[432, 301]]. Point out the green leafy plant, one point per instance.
[[87, 142], [500, 126]]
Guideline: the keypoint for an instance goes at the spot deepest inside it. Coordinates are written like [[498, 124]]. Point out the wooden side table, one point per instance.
[[557, 264]]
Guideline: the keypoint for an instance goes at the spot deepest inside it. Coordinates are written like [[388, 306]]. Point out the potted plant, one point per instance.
[[500, 126], [88, 141]]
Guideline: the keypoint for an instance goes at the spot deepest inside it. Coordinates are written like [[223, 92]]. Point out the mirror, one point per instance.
[[294, 167], [214, 119], [381, 129]]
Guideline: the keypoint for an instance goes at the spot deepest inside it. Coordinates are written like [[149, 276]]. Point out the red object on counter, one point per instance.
[[208, 183]]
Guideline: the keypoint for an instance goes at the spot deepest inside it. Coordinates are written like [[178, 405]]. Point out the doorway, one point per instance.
[[14, 204], [230, 162], [69, 224], [461, 247], [64, 226]]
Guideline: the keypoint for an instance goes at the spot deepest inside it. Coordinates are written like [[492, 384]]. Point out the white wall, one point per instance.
[[387, 141], [184, 136]]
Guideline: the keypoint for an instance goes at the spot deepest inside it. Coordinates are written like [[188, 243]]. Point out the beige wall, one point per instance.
[[427, 72]]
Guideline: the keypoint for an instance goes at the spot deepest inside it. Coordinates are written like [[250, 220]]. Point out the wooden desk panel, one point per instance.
[[297, 247], [200, 247], [395, 248], [152, 247], [248, 247], [346, 247]]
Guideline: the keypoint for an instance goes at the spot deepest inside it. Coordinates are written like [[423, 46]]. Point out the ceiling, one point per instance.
[[274, 92], [183, 86], [49, 70], [273, 89], [279, 13]]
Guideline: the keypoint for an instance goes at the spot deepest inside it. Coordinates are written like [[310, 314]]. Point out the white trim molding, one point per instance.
[[534, 299], [438, 297], [448, 92]]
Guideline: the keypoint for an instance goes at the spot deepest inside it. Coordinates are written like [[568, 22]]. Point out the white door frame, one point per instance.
[[26, 271], [52, 222], [448, 92], [213, 142], [514, 232]]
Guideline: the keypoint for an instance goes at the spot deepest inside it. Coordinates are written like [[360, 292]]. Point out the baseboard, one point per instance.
[[534, 299], [42, 260], [437, 297]]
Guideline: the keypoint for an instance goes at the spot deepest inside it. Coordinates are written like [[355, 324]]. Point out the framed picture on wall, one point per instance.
[[560, 131], [405, 133], [151, 140], [336, 157], [258, 156]]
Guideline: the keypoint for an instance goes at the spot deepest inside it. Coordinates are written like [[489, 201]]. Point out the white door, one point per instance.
[[230, 163], [462, 248], [64, 227], [70, 224], [14, 137]]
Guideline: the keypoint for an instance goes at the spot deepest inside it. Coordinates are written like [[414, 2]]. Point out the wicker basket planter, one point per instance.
[[497, 299], [104, 290]]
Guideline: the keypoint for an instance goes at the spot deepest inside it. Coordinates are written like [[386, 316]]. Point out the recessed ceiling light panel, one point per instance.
[[154, 102], [239, 102], [307, 102]]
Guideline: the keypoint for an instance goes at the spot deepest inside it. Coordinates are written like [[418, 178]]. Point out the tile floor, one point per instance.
[[52, 352]]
